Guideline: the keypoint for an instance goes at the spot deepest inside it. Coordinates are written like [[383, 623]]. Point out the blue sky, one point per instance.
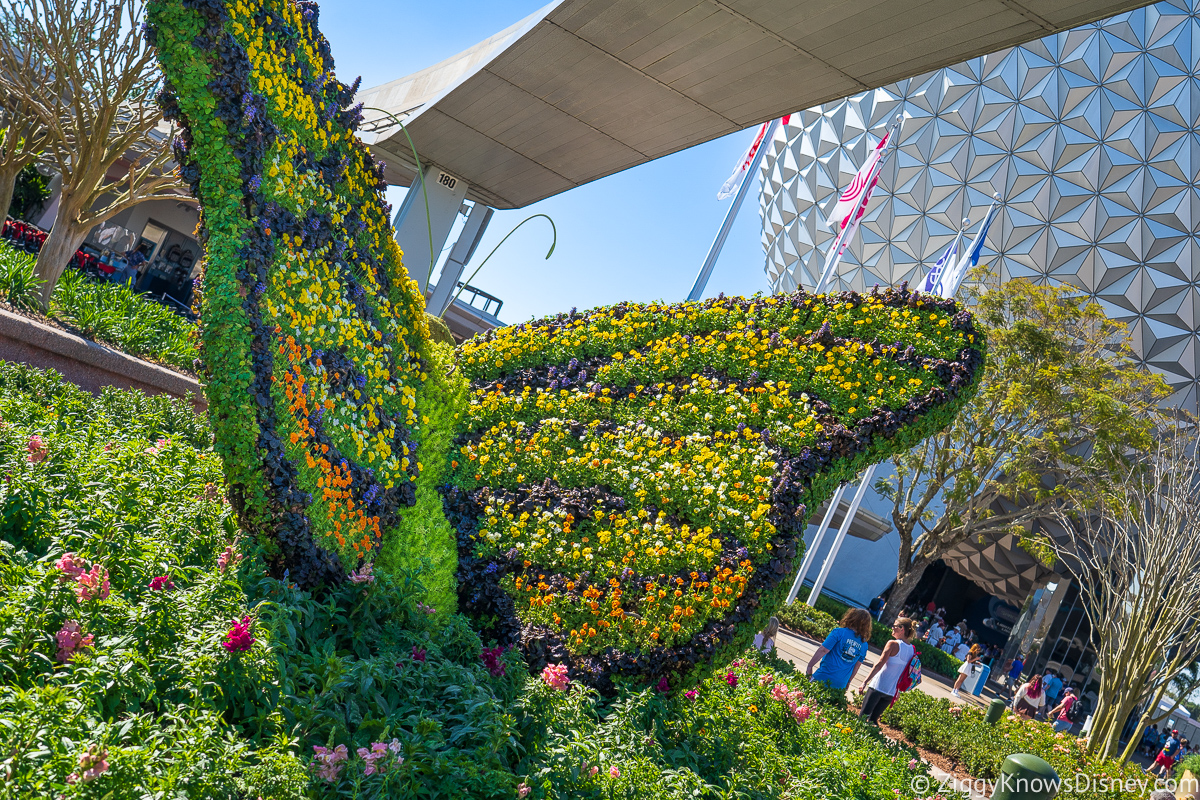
[[638, 235]]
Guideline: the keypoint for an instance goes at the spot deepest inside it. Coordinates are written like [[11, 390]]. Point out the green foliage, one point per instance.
[[423, 539], [1062, 396], [960, 733], [31, 190], [108, 313], [729, 741], [131, 484], [128, 484]]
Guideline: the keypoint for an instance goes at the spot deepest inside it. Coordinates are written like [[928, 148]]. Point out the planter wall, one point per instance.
[[89, 365]]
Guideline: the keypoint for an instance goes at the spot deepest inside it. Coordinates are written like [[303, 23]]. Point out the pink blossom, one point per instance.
[[92, 764], [801, 714], [593, 771], [426, 609], [161, 583], [763, 680], [913, 764], [555, 676], [522, 789], [230, 556], [731, 678], [377, 757], [691, 694], [616, 773], [238, 638], [92, 584], [70, 640], [329, 762], [363, 574], [71, 566], [38, 452], [159, 446]]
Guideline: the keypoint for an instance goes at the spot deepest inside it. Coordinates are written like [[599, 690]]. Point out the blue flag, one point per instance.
[[953, 278]]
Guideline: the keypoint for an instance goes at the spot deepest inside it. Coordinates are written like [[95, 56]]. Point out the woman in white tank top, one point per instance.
[[881, 683]]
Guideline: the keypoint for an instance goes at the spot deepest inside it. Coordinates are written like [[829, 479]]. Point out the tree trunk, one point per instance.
[[907, 578], [56, 253], [8, 182]]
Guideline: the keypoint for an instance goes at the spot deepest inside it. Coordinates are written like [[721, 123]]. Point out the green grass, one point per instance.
[[107, 313]]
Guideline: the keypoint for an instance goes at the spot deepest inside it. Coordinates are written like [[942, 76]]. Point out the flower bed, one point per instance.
[[107, 313], [632, 482], [146, 654], [758, 729], [960, 733]]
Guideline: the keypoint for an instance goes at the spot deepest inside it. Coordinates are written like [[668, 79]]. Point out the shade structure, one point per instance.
[[585, 88]]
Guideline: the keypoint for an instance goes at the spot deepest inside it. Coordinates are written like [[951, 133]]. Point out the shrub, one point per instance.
[[107, 313], [960, 733], [770, 734]]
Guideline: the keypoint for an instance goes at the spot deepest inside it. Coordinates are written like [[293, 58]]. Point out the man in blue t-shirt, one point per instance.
[[842, 651], [1052, 686]]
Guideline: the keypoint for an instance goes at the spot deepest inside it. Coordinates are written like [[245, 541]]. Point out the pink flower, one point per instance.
[[161, 583], [71, 566], [763, 680], [426, 609], [377, 757], [691, 694], [913, 764], [230, 556], [801, 714], [731, 679], [522, 789], [92, 584], [593, 771], [329, 762], [92, 764], [616, 773], [363, 574], [38, 452], [663, 686], [159, 446], [555, 676], [70, 640], [238, 638]]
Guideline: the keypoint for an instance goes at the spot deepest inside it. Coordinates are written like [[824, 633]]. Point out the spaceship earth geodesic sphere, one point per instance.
[[1090, 135]]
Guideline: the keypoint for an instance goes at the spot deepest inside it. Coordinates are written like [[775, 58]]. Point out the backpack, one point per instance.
[[1076, 711], [911, 676]]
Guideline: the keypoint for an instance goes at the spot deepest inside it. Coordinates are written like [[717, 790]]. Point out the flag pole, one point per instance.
[[714, 251], [811, 555], [846, 237], [946, 292]]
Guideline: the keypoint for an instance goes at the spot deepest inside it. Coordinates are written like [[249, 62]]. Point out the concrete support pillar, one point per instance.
[[460, 254], [421, 230]]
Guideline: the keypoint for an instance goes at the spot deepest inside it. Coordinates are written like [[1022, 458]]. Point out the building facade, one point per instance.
[[1092, 138]]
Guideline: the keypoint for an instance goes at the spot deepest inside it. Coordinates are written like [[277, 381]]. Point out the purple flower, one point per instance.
[[663, 686], [418, 654]]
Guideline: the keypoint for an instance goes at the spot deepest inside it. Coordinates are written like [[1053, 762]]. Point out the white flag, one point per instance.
[[850, 202], [730, 186], [933, 277], [952, 278]]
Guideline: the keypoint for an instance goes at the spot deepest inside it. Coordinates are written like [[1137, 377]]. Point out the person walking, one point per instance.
[[969, 669], [1053, 686], [881, 682], [876, 607], [1015, 668], [842, 651], [1164, 762], [1030, 698], [764, 640], [1061, 713]]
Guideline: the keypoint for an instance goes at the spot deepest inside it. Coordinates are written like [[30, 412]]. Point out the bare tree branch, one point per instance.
[[96, 99]]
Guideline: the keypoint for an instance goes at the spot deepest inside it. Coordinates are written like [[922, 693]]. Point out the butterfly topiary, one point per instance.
[[624, 490]]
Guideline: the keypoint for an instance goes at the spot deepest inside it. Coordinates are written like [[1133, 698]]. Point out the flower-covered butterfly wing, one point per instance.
[[313, 336], [632, 483]]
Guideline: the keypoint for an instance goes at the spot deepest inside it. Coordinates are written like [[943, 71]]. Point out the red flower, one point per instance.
[[161, 583], [238, 639]]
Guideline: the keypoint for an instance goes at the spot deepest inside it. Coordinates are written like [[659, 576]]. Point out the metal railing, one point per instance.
[[477, 295]]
